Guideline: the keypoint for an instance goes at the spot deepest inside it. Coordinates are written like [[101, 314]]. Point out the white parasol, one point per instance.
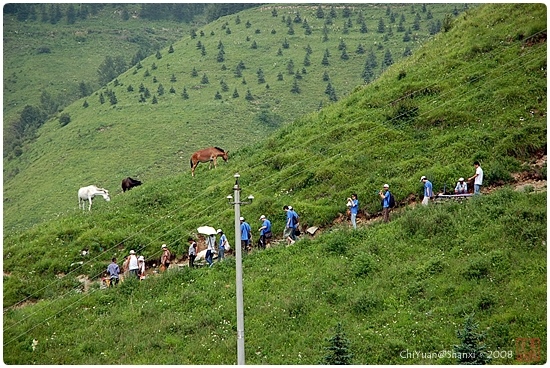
[[206, 230]]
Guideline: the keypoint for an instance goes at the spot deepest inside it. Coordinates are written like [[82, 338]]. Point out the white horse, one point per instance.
[[89, 192]]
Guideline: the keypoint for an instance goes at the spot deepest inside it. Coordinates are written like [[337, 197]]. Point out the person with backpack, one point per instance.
[[265, 231], [387, 199], [291, 225], [295, 222]]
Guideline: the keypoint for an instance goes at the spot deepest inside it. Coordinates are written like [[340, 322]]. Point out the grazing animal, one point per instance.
[[89, 192], [207, 155], [129, 183]]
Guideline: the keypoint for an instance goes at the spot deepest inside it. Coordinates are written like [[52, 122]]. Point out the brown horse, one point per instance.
[[207, 155]]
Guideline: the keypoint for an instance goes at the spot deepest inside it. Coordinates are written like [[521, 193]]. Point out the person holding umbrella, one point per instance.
[[210, 245], [210, 233]]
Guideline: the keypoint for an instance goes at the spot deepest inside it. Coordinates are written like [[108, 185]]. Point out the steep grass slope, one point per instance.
[[103, 143], [395, 287]]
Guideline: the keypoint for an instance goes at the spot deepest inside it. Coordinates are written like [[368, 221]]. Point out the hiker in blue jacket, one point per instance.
[[428, 190], [353, 204], [265, 231], [246, 235], [385, 195], [292, 220]]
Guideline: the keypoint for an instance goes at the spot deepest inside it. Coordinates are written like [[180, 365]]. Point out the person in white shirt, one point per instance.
[[141, 267], [210, 246], [133, 264], [478, 178], [461, 187]]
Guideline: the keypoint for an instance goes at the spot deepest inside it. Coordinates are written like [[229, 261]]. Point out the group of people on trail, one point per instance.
[[388, 202], [133, 266], [461, 187], [289, 234]]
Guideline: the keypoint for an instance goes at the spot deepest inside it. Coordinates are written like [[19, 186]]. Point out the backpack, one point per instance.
[[294, 219], [392, 201]]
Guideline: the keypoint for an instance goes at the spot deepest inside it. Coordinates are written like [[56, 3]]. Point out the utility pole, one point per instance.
[[239, 267]]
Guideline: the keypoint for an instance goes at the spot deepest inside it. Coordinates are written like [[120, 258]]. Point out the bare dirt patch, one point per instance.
[[534, 177]]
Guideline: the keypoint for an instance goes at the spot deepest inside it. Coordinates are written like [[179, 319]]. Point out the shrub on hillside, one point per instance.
[[477, 268], [363, 265], [64, 119], [43, 50], [366, 303], [499, 171], [339, 352], [471, 349]]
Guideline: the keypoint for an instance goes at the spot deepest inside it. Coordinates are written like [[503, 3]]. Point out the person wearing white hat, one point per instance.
[[385, 195], [165, 258], [461, 187], [246, 235], [210, 246], [291, 225], [141, 267], [133, 264], [428, 190], [265, 231]]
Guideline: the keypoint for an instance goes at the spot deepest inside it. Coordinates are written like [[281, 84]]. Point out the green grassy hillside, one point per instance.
[[56, 58], [404, 286], [476, 92], [103, 143]]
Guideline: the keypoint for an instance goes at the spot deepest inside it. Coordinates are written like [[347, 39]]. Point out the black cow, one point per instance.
[[129, 183]]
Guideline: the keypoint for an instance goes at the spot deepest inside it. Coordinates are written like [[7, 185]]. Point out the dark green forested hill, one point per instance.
[[477, 91]]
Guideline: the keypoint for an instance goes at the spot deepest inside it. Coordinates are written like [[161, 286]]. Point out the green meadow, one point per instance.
[[474, 91]]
